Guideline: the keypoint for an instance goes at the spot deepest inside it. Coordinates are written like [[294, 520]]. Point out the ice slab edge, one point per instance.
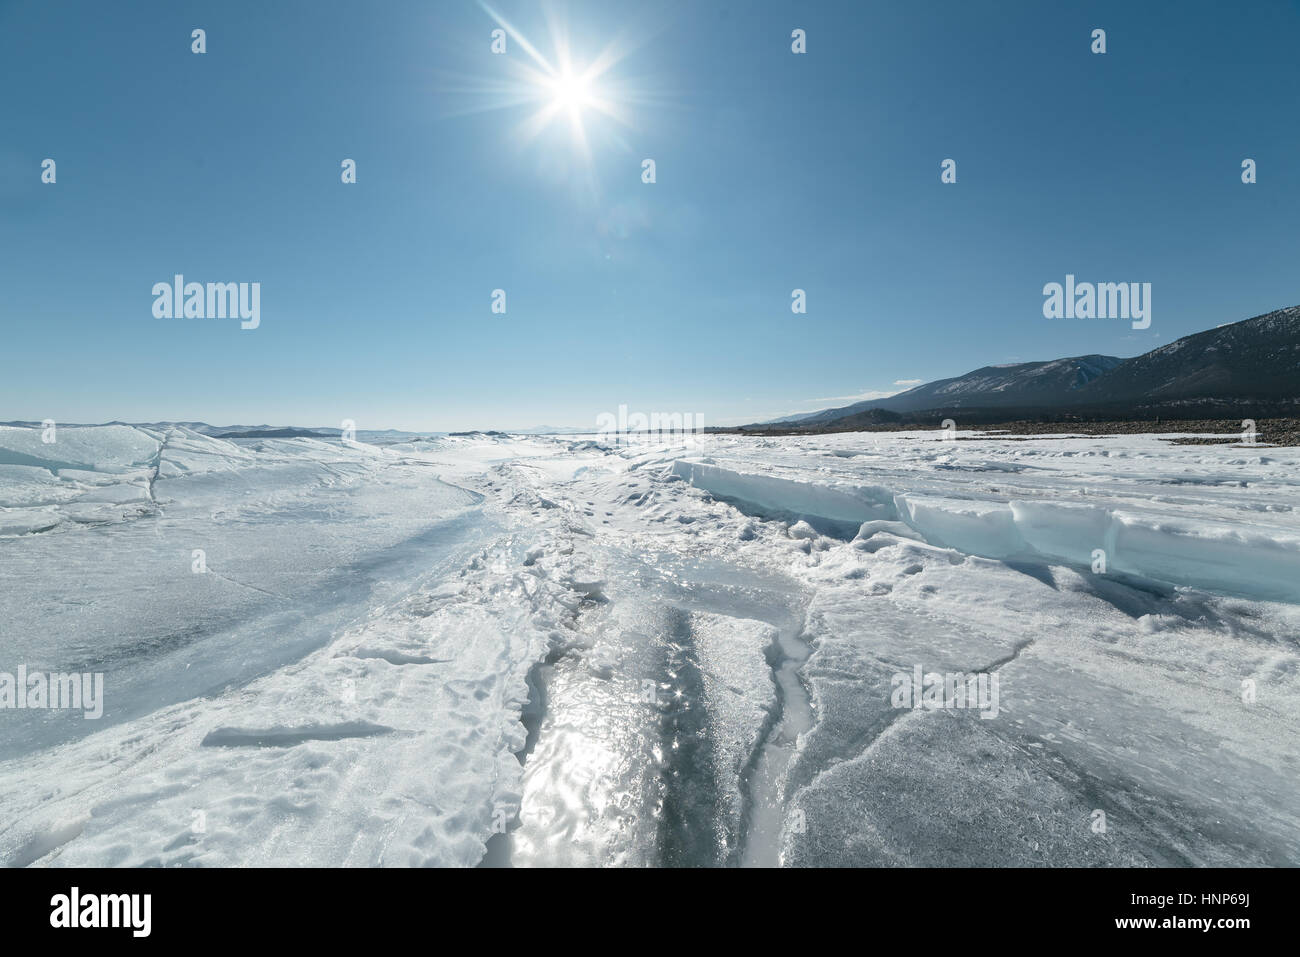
[[1250, 561]]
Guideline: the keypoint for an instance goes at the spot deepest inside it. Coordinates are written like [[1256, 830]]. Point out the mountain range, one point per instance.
[[1249, 368]]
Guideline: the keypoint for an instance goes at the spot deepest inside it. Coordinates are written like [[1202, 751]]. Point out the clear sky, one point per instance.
[[774, 170]]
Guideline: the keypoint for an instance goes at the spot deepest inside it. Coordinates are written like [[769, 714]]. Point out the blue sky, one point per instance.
[[775, 171]]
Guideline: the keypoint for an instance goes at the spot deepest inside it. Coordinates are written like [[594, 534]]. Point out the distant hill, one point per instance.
[[1021, 384], [1256, 361], [267, 433], [1249, 368]]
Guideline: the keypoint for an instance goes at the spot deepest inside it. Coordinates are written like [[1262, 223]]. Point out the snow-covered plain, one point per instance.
[[489, 650]]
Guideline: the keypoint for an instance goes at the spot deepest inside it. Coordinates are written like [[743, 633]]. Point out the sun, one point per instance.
[[571, 92], [562, 89], [589, 98]]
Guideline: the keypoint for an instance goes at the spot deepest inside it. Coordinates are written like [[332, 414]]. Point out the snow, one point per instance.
[[539, 650], [1158, 538]]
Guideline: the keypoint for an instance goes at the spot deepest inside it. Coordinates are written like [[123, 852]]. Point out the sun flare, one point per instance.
[[581, 95]]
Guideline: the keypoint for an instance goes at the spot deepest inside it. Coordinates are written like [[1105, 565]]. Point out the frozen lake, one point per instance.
[[486, 650]]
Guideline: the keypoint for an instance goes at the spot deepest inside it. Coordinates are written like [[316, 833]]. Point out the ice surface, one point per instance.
[[1253, 555], [297, 537], [485, 649]]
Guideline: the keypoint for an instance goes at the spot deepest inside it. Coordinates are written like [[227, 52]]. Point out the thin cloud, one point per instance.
[[859, 397], [832, 401]]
